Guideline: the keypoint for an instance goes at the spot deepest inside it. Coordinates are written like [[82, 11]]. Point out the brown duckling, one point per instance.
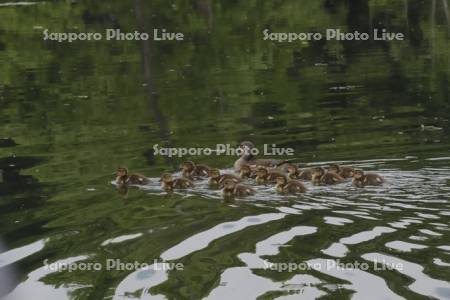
[[216, 179], [191, 170], [343, 171], [247, 158], [361, 180], [305, 174], [320, 176], [292, 171], [264, 175], [247, 171], [295, 173], [261, 175], [123, 178], [231, 188], [284, 186], [169, 183], [273, 174]]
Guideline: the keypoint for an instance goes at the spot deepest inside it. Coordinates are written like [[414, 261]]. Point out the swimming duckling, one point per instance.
[[320, 176], [169, 183], [343, 171], [191, 170], [261, 176], [247, 158], [264, 175], [273, 174], [361, 180], [231, 188], [305, 174], [289, 187], [295, 173], [216, 179], [247, 171], [124, 178], [292, 171]]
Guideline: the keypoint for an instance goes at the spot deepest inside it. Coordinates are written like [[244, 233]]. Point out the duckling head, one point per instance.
[[214, 173], [292, 169], [281, 180], [334, 168], [188, 166], [358, 174], [229, 184], [166, 178], [318, 172], [122, 171], [245, 171], [261, 172]]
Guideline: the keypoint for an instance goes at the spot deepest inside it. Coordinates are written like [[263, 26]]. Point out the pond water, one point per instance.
[[71, 113]]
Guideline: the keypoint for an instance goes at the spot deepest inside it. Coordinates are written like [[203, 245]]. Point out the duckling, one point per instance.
[[169, 183], [289, 187], [295, 173], [264, 175], [305, 174], [216, 179], [292, 171], [191, 170], [320, 176], [273, 174], [248, 159], [361, 180], [231, 188], [247, 171], [343, 171], [261, 175], [124, 178]]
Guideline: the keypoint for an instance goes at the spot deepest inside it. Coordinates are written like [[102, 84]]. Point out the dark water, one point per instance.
[[72, 112]]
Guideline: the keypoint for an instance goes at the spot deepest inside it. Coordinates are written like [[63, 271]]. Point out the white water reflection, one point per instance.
[[404, 246], [430, 232], [418, 238], [121, 239], [142, 280], [19, 3], [445, 248], [202, 239], [242, 283], [422, 284], [366, 235], [366, 286], [35, 288], [403, 223], [340, 250], [440, 262], [14, 255], [145, 279], [336, 250], [337, 221], [271, 245]]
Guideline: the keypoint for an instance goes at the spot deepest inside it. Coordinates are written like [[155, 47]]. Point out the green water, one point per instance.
[[71, 113]]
